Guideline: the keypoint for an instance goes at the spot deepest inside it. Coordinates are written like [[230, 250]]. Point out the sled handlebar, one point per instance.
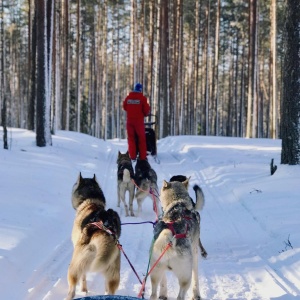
[[149, 123]]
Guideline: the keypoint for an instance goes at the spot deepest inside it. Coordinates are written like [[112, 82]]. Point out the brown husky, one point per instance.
[[94, 236], [179, 230]]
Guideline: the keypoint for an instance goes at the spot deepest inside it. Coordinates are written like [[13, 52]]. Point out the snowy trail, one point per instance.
[[226, 217], [245, 259], [234, 221]]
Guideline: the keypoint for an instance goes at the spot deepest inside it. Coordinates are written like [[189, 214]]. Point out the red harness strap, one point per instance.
[[101, 226], [178, 235]]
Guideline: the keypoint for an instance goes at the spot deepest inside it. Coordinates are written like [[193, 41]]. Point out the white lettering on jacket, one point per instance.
[[131, 101]]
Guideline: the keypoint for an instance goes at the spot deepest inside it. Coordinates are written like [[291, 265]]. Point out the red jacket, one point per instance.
[[136, 106]]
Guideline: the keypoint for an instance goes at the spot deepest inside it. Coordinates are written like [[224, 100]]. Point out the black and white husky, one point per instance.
[[125, 175], [146, 181]]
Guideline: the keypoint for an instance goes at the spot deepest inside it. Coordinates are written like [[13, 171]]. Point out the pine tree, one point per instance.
[[290, 153]]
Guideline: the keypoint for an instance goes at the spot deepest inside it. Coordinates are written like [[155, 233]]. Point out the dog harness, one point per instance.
[[101, 226], [178, 235]]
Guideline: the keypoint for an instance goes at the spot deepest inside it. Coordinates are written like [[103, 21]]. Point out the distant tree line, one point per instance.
[[208, 67]]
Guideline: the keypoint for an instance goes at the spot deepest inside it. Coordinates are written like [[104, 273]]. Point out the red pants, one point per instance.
[[136, 129]]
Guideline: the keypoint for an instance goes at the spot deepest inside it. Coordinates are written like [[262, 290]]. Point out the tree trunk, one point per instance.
[[273, 37], [56, 73], [3, 86], [66, 94], [196, 100], [215, 74], [42, 114], [32, 99], [164, 99], [105, 110], [151, 53], [290, 153], [251, 68], [133, 42], [207, 79], [78, 60]]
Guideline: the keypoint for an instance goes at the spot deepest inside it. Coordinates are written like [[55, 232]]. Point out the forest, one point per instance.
[[208, 67]]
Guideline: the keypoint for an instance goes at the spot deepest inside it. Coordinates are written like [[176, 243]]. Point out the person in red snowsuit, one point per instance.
[[137, 107]]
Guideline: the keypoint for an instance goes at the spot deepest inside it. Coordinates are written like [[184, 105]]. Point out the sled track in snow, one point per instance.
[[50, 277], [225, 215], [221, 210]]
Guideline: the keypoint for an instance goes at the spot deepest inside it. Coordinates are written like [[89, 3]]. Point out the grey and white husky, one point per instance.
[[94, 235], [125, 175], [179, 226], [198, 204]]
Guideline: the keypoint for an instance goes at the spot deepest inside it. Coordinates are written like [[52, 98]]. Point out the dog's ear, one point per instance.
[[79, 177], [95, 178], [166, 185], [186, 182], [119, 153]]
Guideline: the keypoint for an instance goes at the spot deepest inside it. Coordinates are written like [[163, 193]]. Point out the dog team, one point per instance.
[[96, 229]]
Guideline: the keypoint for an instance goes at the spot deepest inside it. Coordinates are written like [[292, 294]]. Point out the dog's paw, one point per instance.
[[163, 297], [196, 298]]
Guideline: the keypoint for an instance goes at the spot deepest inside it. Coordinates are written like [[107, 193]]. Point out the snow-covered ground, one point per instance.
[[250, 223]]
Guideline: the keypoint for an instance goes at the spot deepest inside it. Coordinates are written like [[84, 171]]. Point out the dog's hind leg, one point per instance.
[[131, 197], [119, 197], [157, 276], [163, 291], [83, 284], [122, 196], [184, 284], [72, 280], [139, 203], [79, 265], [195, 280], [112, 276], [182, 268]]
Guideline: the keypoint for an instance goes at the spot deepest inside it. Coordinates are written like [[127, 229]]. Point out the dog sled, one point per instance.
[[151, 137], [108, 297]]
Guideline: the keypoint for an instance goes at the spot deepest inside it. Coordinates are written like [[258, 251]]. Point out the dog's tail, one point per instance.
[[199, 197], [126, 176]]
